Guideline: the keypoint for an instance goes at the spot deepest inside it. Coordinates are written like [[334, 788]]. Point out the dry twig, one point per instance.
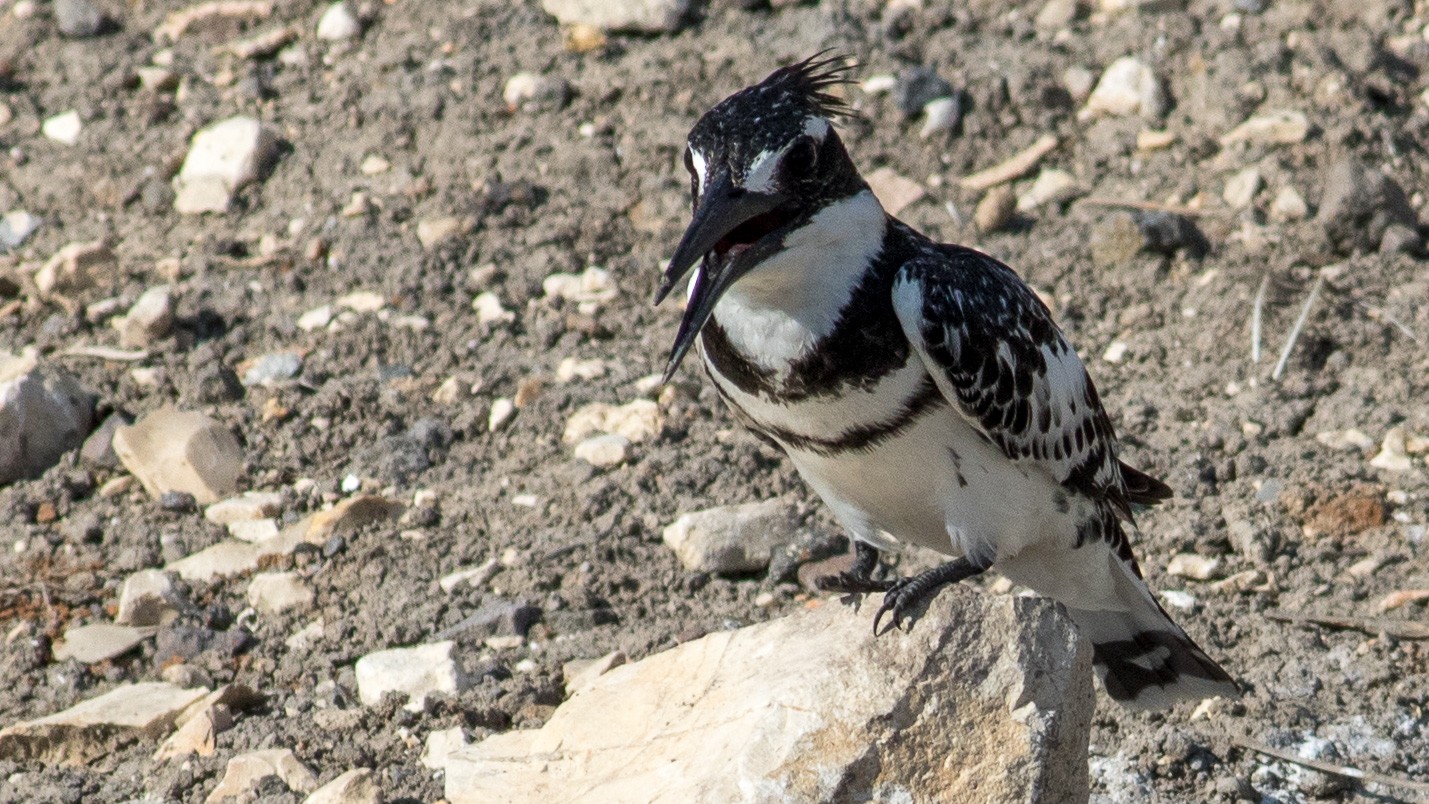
[[1256, 317], [1336, 770], [1016, 167], [1399, 629], [1299, 325], [1143, 206]]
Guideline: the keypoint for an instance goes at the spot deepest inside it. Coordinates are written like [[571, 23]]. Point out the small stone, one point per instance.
[[357, 206], [78, 19], [473, 576], [272, 369], [316, 318], [99, 642], [1190, 565], [222, 158], [489, 309], [98, 726], [44, 413], [1115, 352], [916, 88], [638, 16], [156, 79], [249, 505], [186, 676], [244, 772], [1177, 599], [1056, 14], [1401, 239], [222, 560], [571, 369], [362, 301], [148, 597], [730, 539], [1241, 188], [502, 409], [1288, 205], [415, 672], [355, 786], [1359, 204], [16, 226], [1052, 186], [432, 232], [1078, 82], [440, 745], [1273, 128], [583, 38], [590, 287], [531, 92], [941, 114], [637, 421], [1153, 140], [1351, 439], [996, 209], [150, 319], [604, 450], [348, 516], [1127, 87], [196, 735], [76, 267], [1393, 453], [893, 191], [373, 165], [338, 23], [306, 637], [175, 450], [1168, 232], [253, 530], [273, 592], [63, 128]]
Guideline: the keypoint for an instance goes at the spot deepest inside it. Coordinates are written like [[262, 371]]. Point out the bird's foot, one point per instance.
[[857, 579], [907, 594]]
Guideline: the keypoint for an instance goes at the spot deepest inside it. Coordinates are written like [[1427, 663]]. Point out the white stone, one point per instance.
[[1190, 565], [489, 310], [249, 505], [475, 576], [253, 530], [1115, 352], [415, 672], [76, 267], [44, 413], [939, 115], [222, 560], [441, 744], [222, 158], [730, 538], [1241, 188], [16, 226], [273, 592], [1127, 87], [350, 787], [571, 368], [1289, 205], [637, 420], [987, 699], [638, 16], [502, 409], [374, 165], [606, 449], [99, 641], [362, 301], [1052, 186], [593, 285], [1283, 127], [316, 318], [148, 597], [63, 128], [432, 232], [244, 771], [533, 91], [98, 726], [174, 450], [1178, 599], [150, 319], [197, 734], [306, 637], [1351, 439], [338, 23], [1078, 82], [1393, 453]]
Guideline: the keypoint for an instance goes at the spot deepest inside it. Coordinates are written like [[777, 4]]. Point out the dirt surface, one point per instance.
[[594, 179]]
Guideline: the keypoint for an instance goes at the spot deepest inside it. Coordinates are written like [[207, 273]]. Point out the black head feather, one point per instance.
[[809, 80]]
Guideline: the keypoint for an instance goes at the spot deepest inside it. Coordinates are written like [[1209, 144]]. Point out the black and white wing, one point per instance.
[[997, 356]]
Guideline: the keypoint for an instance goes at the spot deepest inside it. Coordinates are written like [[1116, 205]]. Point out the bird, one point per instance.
[[921, 389]]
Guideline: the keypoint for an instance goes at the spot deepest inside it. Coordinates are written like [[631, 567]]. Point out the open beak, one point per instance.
[[732, 231]]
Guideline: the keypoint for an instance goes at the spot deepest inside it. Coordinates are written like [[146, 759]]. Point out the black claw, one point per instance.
[[906, 594]]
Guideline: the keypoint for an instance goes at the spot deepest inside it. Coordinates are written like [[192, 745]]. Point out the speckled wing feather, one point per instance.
[[995, 352]]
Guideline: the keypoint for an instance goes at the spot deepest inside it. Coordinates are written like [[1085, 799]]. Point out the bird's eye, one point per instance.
[[800, 160]]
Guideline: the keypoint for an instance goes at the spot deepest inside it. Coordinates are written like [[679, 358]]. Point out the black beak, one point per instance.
[[723, 208]]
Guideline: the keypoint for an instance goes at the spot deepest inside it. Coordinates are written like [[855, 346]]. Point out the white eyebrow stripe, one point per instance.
[[698, 160], [760, 178]]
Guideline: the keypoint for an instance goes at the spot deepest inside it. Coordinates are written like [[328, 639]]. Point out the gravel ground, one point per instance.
[[400, 171]]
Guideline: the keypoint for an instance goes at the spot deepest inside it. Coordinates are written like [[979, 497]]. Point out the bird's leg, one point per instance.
[[858, 579], [905, 594]]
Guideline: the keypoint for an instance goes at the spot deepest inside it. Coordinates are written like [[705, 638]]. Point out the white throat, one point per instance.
[[778, 311]]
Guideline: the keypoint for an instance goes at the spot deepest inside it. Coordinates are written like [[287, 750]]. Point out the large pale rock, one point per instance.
[[148, 597], [640, 16], [44, 413], [99, 725], [244, 771], [176, 450], [352, 787], [415, 672], [97, 642], [273, 592], [730, 538], [987, 699], [222, 158]]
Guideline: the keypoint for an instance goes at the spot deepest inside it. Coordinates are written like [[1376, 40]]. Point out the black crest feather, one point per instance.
[[811, 78]]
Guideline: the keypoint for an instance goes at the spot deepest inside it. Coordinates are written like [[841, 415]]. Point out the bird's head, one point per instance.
[[761, 163]]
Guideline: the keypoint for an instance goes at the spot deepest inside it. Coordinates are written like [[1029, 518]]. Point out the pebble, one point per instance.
[[1393, 455], [44, 413], [1359, 204], [440, 744], [273, 592], [474, 576], [1052, 186], [63, 128], [1178, 599], [432, 232], [1154, 140], [1351, 439], [571, 368], [637, 421], [222, 158], [99, 642], [316, 318], [176, 450], [306, 637], [197, 735], [489, 309], [1190, 565], [1283, 127], [604, 450], [78, 19], [646, 16], [151, 318], [272, 369], [247, 506], [1241, 188], [996, 209], [156, 79], [530, 92], [355, 786], [941, 114], [1078, 81], [893, 191], [502, 409], [588, 289], [253, 530], [16, 226], [98, 726], [731, 538], [1167, 232], [148, 597], [1288, 205], [1115, 352], [1127, 87], [916, 87], [338, 23], [416, 672], [583, 38], [76, 267], [245, 772], [1400, 238]]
